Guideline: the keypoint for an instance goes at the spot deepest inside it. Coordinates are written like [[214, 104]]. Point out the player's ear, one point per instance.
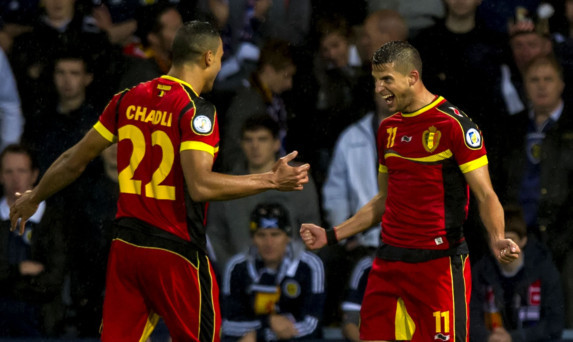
[[413, 77], [209, 57]]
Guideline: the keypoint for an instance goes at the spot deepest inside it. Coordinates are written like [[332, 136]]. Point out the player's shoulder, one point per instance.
[[452, 111]]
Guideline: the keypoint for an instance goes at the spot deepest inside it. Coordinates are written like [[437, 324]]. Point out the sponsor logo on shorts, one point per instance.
[[441, 337]]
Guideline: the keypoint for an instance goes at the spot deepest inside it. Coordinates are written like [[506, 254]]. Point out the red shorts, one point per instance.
[[425, 301], [145, 283]]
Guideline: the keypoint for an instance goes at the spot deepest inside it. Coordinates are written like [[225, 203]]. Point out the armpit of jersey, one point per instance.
[[203, 120]]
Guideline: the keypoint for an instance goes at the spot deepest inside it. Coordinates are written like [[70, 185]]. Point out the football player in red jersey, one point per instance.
[[430, 155], [168, 139]]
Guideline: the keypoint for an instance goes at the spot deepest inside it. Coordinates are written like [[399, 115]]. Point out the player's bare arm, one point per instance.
[[491, 213], [67, 168], [369, 215], [205, 185]]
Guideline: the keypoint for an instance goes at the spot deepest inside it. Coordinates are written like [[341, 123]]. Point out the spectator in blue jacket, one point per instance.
[[275, 291]]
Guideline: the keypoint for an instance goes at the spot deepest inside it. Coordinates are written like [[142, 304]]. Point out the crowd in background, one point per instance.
[[295, 76]]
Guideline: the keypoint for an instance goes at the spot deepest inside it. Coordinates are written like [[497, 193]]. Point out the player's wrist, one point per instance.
[[331, 238]]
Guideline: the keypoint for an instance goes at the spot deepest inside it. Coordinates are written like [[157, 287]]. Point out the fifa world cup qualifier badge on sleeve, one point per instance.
[[202, 124]]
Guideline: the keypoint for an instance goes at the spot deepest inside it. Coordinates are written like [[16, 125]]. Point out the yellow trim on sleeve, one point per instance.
[[474, 164], [382, 168], [101, 129], [198, 145]]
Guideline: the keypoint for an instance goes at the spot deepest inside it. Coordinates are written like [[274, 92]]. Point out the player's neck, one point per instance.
[[190, 74]]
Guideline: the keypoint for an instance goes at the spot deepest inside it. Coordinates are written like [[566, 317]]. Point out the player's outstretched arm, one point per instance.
[[67, 168], [491, 213], [369, 215], [205, 185]]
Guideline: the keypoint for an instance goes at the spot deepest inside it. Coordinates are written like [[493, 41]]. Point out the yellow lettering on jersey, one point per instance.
[[156, 117], [168, 122], [151, 116], [140, 113], [129, 112]]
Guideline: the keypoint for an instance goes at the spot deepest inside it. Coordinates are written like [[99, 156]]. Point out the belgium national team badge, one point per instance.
[[431, 138]]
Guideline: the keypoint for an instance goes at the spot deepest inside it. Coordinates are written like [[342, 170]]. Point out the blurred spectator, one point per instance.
[[60, 27], [11, 119], [353, 302], [64, 120], [526, 42], [343, 95], [538, 166], [275, 291], [380, 27], [260, 143], [418, 14], [32, 265], [496, 14], [90, 247], [521, 300], [16, 17], [273, 76], [461, 59], [157, 25]]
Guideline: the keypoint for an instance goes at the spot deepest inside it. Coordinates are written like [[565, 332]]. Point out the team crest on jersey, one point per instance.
[[431, 139], [202, 124], [473, 138], [291, 288]]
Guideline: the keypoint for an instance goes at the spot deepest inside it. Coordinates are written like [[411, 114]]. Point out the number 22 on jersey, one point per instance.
[[153, 189]]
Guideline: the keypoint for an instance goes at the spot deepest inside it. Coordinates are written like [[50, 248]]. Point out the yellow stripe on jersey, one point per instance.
[[430, 159], [404, 326], [199, 146], [382, 168], [474, 164], [174, 79], [152, 321], [105, 133], [425, 108]]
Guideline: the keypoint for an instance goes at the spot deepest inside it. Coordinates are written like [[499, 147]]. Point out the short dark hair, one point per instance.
[[277, 53], [18, 149], [261, 121], [545, 60], [404, 56], [514, 220], [335, 24], [193, 40]]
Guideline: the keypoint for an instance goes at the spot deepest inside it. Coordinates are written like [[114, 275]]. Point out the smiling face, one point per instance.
[[394, 86]]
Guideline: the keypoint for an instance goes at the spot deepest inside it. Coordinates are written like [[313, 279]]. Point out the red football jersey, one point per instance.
[[152, 123], [425, 154]]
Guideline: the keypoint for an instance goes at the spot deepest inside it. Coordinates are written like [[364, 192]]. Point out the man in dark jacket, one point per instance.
[[521, 300]]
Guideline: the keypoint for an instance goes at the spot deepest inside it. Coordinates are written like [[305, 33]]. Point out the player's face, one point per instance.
[[215, 67], [334, 49], [544, 87], [71, 79], [271, 244], [260, 147], [393, 86], [17, 174]]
